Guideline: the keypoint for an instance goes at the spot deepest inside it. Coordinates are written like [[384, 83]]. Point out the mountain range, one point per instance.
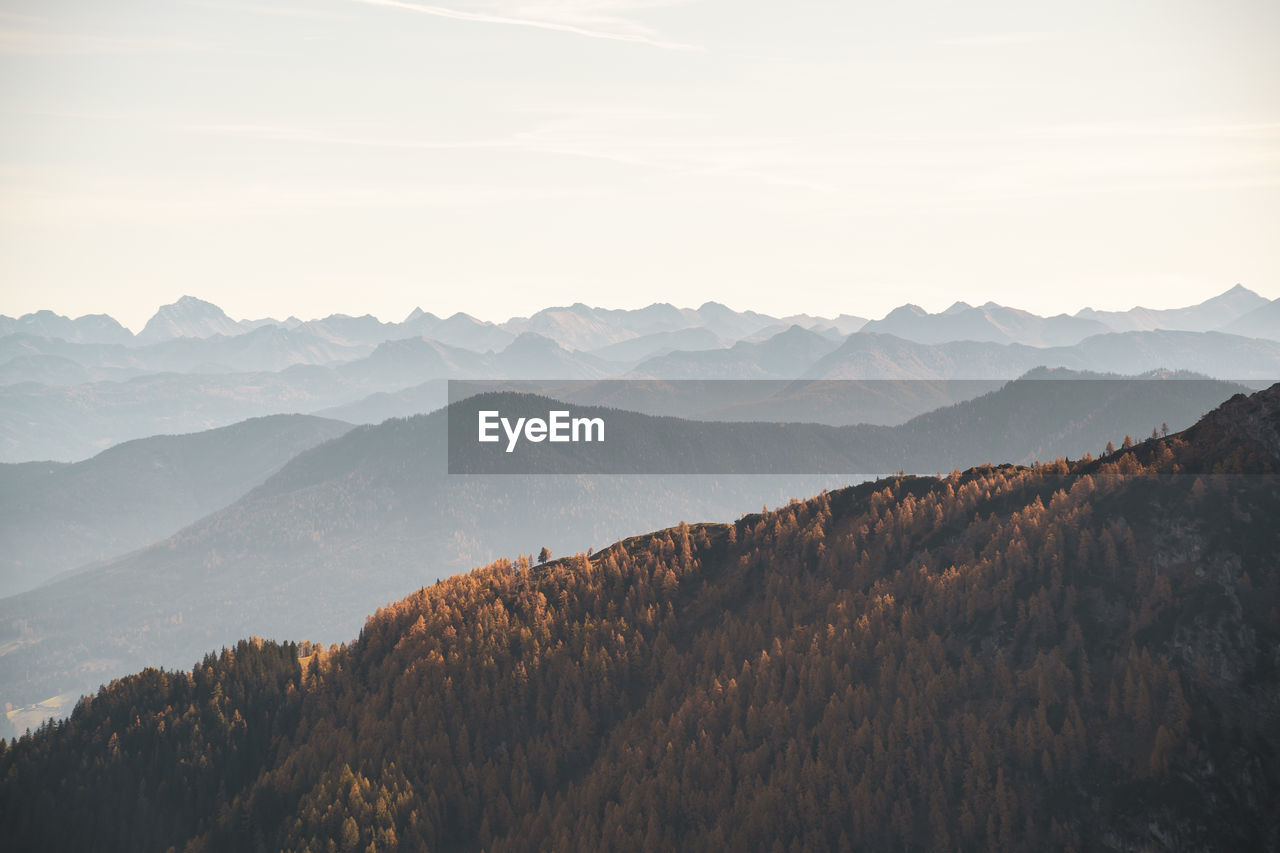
[[54, 517], [361, 519], [71, 388], [582, 327], [1066, 656]]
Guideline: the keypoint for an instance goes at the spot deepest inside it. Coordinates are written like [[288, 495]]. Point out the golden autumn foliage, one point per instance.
[[1066, 656]]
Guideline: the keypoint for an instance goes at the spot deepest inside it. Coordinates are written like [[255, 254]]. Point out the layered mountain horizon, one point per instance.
[[72, 388], [297, 526], [583, 327], [1067, 655]]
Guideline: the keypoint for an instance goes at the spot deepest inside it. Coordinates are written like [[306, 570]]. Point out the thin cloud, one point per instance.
[[632, 33], [769, 160], [36, 43], [265, 9]]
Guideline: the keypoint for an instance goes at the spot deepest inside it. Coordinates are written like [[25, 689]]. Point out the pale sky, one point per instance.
[[499, 156]]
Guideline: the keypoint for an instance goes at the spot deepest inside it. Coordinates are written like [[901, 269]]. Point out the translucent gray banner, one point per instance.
[[853, 427]]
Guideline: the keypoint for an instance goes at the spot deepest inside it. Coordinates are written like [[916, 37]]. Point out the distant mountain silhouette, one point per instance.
[[1206, 316], [267, 348], [59, 517], [1261, 322], [583, 327], [89, 329], [785, 355], [357, 521], [74, 423], [577, 327], [990, 322], [635, 350], [365, 331], [867, 355], [532, 356], [189, 317], [66, 394], [1070, 656]]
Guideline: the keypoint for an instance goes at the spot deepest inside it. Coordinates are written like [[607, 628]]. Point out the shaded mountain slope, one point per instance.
[[1205, 316], [266, 348], [782, 356], [989, 322], [1261, 322], [75, 423], [72, 423], [137, 492], [1070, 656], [189, 317], [635, 350], [867, 355], [361, 520], [89, 329], [338, 531]]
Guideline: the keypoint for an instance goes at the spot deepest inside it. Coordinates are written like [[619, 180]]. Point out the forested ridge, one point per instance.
[[1076, 655]]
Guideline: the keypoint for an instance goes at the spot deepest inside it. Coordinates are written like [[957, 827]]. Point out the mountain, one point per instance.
[[990, 322], [53, 361], [381, 405], [339, 530], [72, 423], [1067, 656], [638, 349], [842, 325], [785, 355], [44, 421], [187, 318], [361, 520], [581, 327], [364, 331], [89, 329], [657, 317], [1044, 415], [418, 316], [532, 356], [999, 324], [266, 348], [826, 402], [464, 331], [56, 361], [137, 493], [413, 361], [828, 332], [867, 355], [731, 325], [77, 422], [1208, 315], [1261, 322], [578, 327], [42, 369]]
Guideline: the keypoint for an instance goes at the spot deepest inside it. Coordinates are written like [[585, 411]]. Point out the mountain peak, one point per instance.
[[189, 317], [1239, 294], [910, 309], [717, 308]]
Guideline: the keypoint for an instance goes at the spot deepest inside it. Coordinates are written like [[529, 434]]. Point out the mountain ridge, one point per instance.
[[1067, 656], [583, 327], [351, 523]]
